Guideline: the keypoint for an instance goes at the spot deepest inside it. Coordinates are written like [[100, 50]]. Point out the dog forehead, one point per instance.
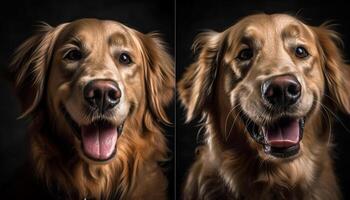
[[95, 30], [262, 22], [286, 24], [282, 20], [84, 27], [265, 27]]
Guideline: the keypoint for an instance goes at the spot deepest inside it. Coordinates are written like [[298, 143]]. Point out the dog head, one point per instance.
[[94, 77], [270, 75]]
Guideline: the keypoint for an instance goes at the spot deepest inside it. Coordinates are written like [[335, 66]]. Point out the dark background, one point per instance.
[[18, 22], [192, 17]]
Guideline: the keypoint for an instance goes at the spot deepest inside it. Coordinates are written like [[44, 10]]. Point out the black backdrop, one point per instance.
[[192, 17], [18, 22]]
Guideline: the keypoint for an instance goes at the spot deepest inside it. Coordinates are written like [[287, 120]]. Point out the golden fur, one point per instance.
[[45, 81], [218, 87]]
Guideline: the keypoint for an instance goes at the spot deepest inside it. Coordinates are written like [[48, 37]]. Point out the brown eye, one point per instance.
[[301, 52], [124, 58], [245, 54], [73, 55]]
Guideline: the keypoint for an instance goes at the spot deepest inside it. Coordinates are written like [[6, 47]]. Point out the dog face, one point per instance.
[[272, 73], [95, 77], [91, 70], [282, 83]]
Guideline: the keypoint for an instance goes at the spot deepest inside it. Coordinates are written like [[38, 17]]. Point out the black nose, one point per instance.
[[281, 90], [102, 94]]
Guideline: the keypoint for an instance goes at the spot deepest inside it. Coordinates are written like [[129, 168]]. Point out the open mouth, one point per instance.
[[98, 139], [280, 138]]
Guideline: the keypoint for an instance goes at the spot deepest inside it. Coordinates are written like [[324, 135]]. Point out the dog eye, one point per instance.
[[73, 55], [124, 59], [301, 52], [245, 54]]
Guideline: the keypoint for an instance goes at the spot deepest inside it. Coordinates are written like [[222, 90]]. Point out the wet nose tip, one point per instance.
[[281, 91], [113, 93], [102, 94]]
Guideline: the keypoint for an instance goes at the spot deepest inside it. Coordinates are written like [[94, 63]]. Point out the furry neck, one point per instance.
[[238, 162], [59, 166]]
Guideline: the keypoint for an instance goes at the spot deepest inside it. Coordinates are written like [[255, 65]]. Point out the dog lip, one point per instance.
[[76, 127], [257, 133], [77, 132], [71, 122], [252, 128], [282, 152]]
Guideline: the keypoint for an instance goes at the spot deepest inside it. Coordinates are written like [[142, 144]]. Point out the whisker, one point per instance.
[[228, 115], [227, 134], [233, 123], [335, 116], [329, 97]]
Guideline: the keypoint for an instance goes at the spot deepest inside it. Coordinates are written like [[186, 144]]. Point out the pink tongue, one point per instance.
[[283, 134], [99, 140]]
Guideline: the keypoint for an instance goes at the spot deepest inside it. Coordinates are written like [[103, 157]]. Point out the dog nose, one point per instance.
[[102, 94], [281, 90]]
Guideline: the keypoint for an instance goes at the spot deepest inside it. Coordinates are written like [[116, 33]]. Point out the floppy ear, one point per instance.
[[159, 75], [196, 86], [336, 72], [29, 66]]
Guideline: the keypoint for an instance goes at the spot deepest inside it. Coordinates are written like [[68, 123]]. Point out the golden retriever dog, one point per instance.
[[267, 89], [95, 92]]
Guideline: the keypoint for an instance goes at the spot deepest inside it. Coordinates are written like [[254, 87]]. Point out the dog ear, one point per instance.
[[196, 86], [159, 75], [336, 71], [29, 66]]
